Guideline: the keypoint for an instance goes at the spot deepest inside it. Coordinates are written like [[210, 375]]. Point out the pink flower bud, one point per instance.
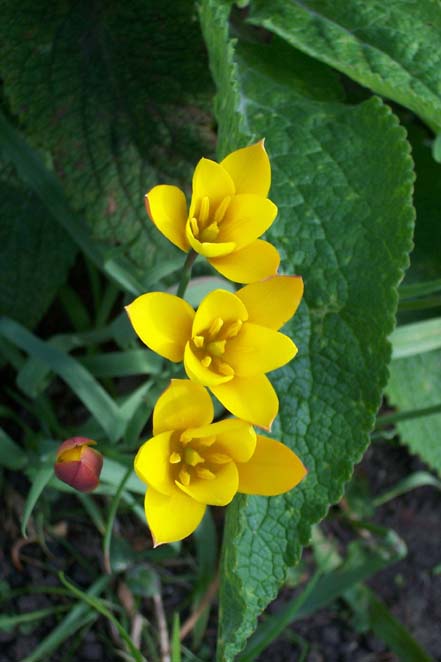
[[78, 465]]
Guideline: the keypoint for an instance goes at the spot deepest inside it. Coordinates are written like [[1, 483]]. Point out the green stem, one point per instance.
[[420, 304], [391, 419], [186, 273]]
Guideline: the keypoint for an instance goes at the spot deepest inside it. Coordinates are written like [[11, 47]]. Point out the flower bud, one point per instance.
[[78, 465]]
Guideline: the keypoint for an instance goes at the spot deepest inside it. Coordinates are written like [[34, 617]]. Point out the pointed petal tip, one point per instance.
[[156, 543]]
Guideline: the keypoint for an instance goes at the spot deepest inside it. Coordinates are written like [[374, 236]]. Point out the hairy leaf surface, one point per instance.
[[342, 178], [393, 47], [117, 92]]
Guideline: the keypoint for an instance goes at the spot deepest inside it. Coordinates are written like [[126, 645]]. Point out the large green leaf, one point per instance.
[[35, 253], [116, 92], [415, 381], [392, 47], [342, 178]]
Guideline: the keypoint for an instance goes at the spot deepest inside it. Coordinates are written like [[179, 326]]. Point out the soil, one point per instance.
[[409, 588]]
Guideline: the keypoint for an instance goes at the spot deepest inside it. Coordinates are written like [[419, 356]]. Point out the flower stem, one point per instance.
[[186, 273]]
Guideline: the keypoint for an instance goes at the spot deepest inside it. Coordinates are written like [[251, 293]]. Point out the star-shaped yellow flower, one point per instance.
[[191, 462], [229, 210], [229, 343]]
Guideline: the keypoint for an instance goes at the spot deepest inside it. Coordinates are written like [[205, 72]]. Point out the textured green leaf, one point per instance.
[[415, 381], [35, 253], [342, 178], [393, 47], [116, 92]]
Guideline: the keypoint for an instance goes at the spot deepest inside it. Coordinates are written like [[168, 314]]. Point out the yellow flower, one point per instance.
[[229, 343], [229, 210], [191, 462]]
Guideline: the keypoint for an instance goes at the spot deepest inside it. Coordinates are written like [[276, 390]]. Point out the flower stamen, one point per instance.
[[215, 327], [194, 227], [204, 210], [192, 457], [184, 477], [221, 210], [204, 473]]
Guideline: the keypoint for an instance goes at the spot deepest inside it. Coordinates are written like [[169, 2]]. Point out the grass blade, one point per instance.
[[99, 606], [416, 338], [79, 615], [39, 482], [11, 455], [417, 479], [87, 389]]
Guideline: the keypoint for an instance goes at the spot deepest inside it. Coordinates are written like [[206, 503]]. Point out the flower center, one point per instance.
[[206, 220], [210, 345], [191, 458]]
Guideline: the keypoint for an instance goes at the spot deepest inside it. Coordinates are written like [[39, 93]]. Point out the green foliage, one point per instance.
[[342, 179], [35, 253], [393, 48], [416, 382], [113, 98], [117, 93], [415, 377]]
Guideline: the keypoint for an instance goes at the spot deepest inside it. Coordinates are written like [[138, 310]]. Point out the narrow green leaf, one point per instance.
[[393, 48], [12, 456], [89, 391], [32, 377], [175, 641], [415, 379], [363, 562], [416, 338], [9, 621], [386, 627], [369, 610], [79, 615], [107, 539], [436, 148], [417, 479], [97, 604], [392, 419], [206, 557], [419, 289], [32, 171], [119, 364], [342, 179], [39, 481]]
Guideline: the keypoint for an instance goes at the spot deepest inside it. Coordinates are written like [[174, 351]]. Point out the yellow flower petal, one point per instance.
[[272, 302], [163, 322], [252, 263], [182, 405], [205, 248], [212, 180], [171, 517], [273, 469], [218, 304], [234, 437], [257, 349], [167, 208], [248, 216], [198, 372], [252, 399], [216, 492], [152, 464], [250, 169]]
